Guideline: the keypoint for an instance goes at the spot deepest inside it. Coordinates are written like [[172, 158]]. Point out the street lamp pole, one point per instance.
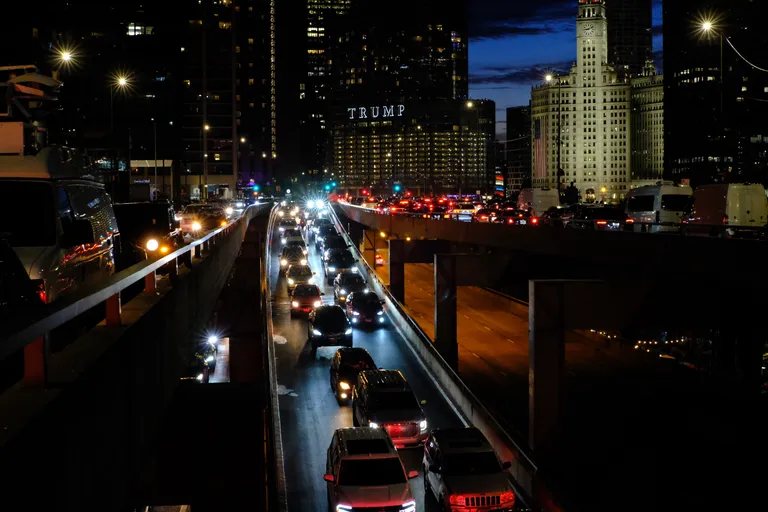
[[154, 133], [549, 79]]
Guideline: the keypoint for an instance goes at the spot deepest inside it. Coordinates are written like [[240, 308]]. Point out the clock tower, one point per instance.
[[591, 42]]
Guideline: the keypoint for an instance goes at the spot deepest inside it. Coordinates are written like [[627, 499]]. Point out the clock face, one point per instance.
[[589, 29]]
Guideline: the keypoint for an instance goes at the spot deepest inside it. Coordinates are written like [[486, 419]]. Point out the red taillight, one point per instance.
[[511, 221], [507, 497], [601, 222], [725, 219], [535, 220], [484, 217], [630, 221], [457, 499], [43, 296], [40, 290]]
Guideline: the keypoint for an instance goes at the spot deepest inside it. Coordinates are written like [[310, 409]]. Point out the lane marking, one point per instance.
[[511, 340], [477, 356], [488, 328], [465, 316]]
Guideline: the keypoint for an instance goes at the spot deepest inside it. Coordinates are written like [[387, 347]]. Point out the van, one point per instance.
[[59, 222], [728, 210], [658, 208], [539, 199]]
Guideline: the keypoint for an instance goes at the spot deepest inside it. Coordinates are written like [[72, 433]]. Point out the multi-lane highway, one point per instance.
[[308, 410]]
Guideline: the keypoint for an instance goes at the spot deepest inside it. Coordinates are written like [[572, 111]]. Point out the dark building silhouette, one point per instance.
[[630, 41], [517, 148], [715, 132]]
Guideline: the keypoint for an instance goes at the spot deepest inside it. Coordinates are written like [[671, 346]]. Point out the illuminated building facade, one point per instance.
[[434, 147], [592, 107]]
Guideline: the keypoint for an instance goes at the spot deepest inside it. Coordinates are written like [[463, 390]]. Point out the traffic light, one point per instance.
[[327, 188], [256, 188], [365, 191], [333, 184], [398, 187]]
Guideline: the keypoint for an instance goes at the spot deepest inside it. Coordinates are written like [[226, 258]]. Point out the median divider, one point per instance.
[[527, 479]]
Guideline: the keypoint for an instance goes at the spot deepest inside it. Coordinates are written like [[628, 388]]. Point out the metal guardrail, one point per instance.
[[525, 473], [29, 333]]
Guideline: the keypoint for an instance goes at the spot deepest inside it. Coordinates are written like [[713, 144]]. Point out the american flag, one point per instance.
[[540, 147]]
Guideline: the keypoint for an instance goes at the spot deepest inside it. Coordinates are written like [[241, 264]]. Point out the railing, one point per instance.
[[29, 334], [529, 482]]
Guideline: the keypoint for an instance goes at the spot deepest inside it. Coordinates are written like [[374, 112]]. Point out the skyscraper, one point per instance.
[[582, 122], [630, 42], [716, 114], [517, 148]]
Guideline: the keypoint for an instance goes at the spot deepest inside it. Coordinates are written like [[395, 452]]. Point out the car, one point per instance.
[[299, 274], [202, 364], [305, 298], [599, 218], [291, 255], [321, 233], [328, 326], [347, 282], [345, 365], [365, 308], [147, 229], [516, 218], [287, 223], [291, 235], [363, 471], [332, 252], [485, 215], [299, 244], [462, 472], [196, 219], [463, 211], [338, 263], [331, 243], [383, 398]]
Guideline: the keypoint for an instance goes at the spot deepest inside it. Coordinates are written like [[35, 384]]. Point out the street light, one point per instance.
[[549, 79], [242, 140], [121, 82], [708, 28]]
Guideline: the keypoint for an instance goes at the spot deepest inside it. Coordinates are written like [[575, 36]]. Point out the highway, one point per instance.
[[308, 410]]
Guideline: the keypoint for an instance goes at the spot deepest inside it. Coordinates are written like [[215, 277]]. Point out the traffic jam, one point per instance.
[[363, 468]]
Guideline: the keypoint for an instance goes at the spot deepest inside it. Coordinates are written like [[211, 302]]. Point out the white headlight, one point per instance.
[[354, 269], [331, 269], [295, 304], [343, 291], [303, 262], [291, 281], [311, 280], [199, 377], [280, 214], [316, 332], [283, 240], [310, 204], [356, 313], [196, 226], [343, 385], [152, 245], [380, 313], [317, 304], [423, 425], [283, 262], [348, 331], [229, 211], [209, 359], [373, 424]]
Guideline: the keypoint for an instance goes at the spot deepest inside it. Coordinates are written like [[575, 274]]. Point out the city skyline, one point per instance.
[[513, 46]]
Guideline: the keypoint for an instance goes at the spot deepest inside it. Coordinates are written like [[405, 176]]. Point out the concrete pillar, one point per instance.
[[446, 340], [397, 269], [546, 368], [369, 247], [355, 232]]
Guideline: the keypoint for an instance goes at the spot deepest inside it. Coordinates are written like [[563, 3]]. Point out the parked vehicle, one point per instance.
[[728, 210], [537, 200], [58, 220], [658, 208]]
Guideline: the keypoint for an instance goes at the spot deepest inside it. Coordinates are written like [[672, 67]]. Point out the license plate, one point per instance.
[[368, 320], [523, 222], [331, 339]]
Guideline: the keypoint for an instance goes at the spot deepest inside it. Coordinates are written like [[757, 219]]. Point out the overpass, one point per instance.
[[103, 423]]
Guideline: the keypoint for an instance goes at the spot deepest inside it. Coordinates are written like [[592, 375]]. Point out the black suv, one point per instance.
[[347, 282], [365, 308], [291, 255], [383, 398], [338, 263], [345, 365], [322, 232], [328, 327], [333, 242]]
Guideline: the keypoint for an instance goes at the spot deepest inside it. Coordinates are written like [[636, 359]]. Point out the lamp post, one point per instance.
[[550, 79], [708, 27], [204, 177], [470, 106]]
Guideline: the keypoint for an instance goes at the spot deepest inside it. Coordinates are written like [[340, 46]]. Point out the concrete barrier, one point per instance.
[[527, 480], [81, 442]]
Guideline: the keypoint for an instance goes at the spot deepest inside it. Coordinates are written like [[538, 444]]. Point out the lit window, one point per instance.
[[216, 156], [226, 25]]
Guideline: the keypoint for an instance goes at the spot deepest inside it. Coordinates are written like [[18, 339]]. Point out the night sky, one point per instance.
[[513, 44]]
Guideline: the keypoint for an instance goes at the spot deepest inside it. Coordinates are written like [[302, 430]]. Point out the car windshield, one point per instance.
[[366, 300], [352, 280], [357, 361], [341, 260], [300, 271], [465, 206], [292, 232], [606, 213], [27, 214], [306, 291], [335, 242], [676, 202], [326, 230], [371, 472], [395, 400], [332, 317], [292, 253], [472, 463], [201, 209]]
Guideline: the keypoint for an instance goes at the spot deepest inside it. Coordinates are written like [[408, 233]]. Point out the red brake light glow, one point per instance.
[[630, 221], [457, 499], [601, 222], [535, 220], [507, 497]]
